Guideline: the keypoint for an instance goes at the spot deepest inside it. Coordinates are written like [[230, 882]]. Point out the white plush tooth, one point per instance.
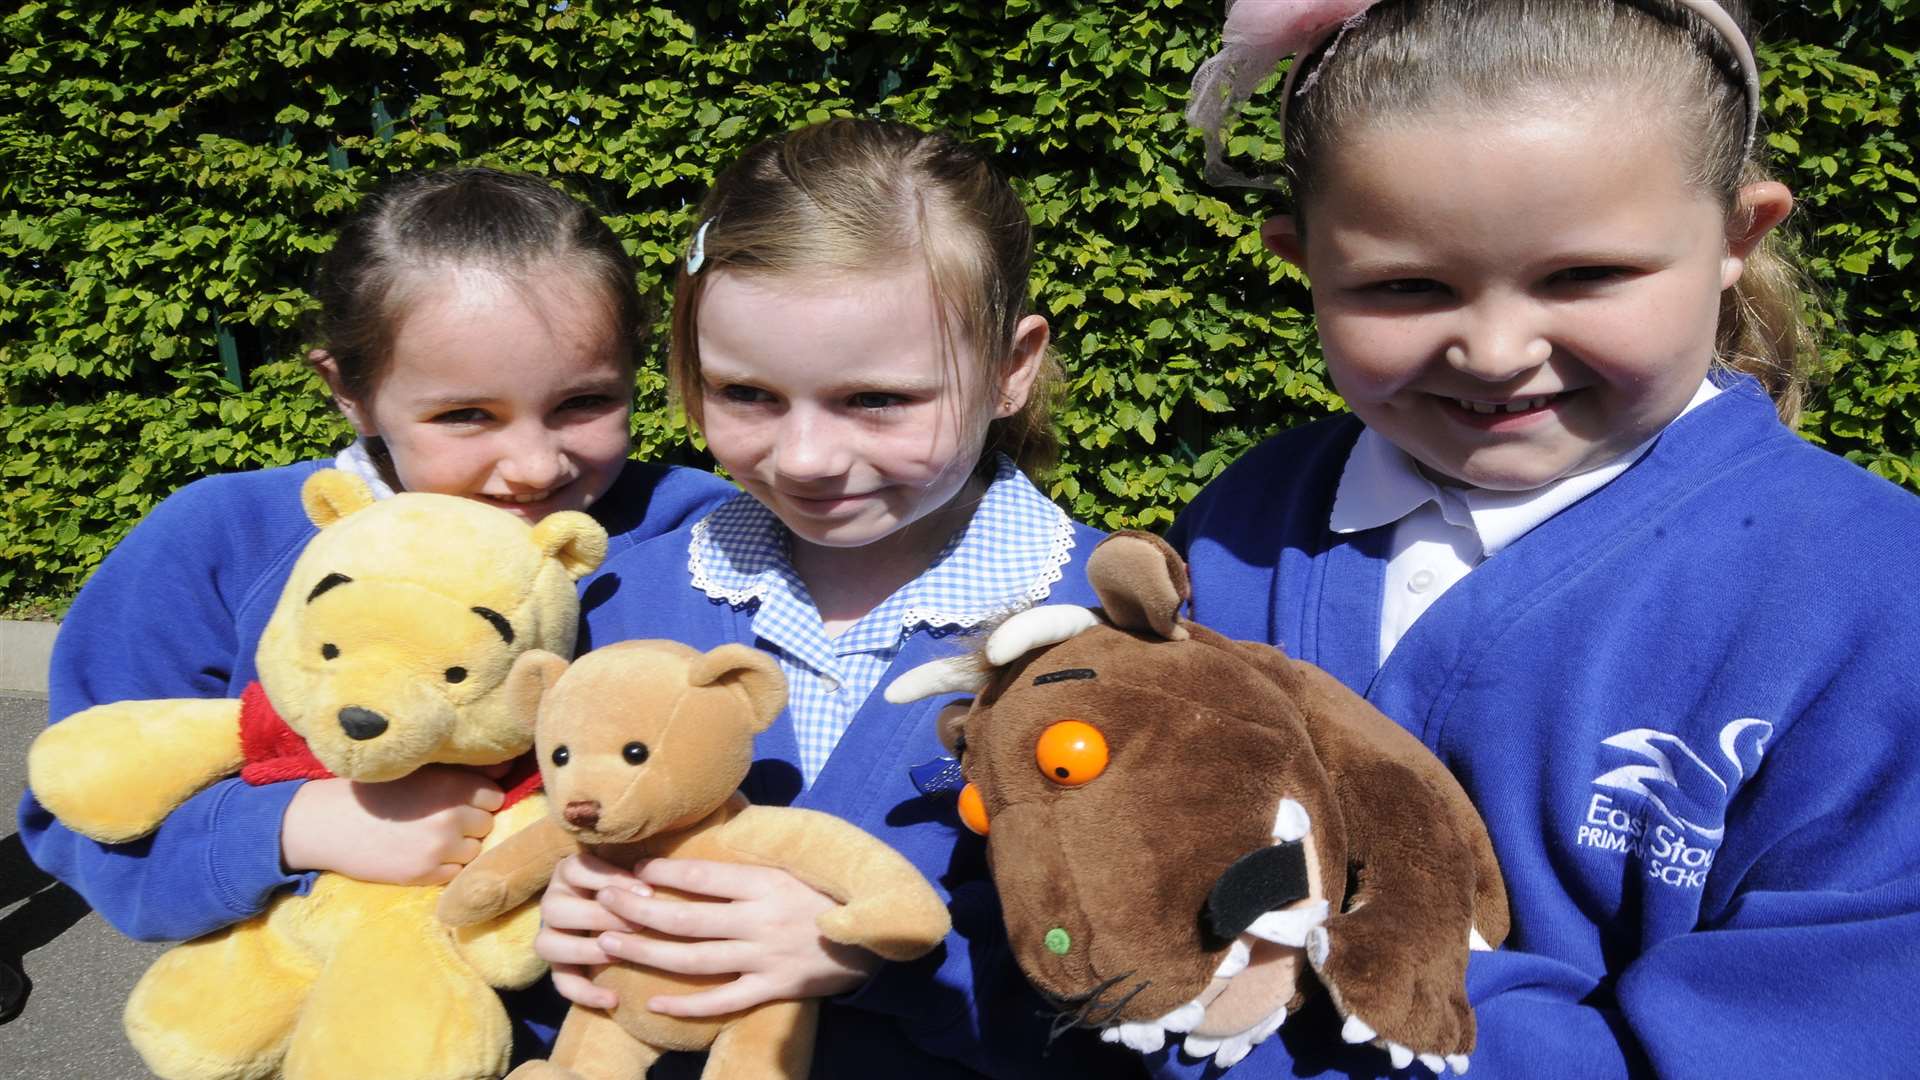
[[1399, 1055], [1199, 1046], [1291, 823], [1186, 1017], [1232, 1051], [1435, 1062], [1143, 1038], [1459, 1063], [1289, 927], [1357, 1030], [1235, 962], [1475, 942], [1110, 1035]]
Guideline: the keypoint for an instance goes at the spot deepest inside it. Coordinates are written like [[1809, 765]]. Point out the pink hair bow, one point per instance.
[[1259, 34]]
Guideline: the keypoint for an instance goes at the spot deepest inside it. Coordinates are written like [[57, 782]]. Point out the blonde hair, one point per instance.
[[860, 197], [1409, 56]]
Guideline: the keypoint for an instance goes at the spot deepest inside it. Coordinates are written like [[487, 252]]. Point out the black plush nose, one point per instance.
[[361, 724]]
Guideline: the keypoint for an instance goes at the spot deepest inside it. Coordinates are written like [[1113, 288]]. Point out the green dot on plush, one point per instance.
[[1058, 942]]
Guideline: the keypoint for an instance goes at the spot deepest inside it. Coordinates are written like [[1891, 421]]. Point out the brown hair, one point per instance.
[[860, 197], [511, 223], [1409, 55]]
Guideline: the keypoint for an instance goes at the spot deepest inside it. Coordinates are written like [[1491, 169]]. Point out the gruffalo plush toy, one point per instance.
[[643, 745], [1181, 826], [398, 641]]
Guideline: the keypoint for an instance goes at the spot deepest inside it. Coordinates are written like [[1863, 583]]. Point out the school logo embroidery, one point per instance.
[[1678, 820]]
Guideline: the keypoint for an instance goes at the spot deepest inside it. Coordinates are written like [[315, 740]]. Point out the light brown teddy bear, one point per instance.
[[397, 642], [643, 745]]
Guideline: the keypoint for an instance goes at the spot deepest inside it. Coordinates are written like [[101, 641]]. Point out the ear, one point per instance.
[[532, 677], [575, 539], [1757, 210], [754, 672], [951, 725], [1141, 583], [1024, 362], [330, 495], [1281, 234], [351, 406]]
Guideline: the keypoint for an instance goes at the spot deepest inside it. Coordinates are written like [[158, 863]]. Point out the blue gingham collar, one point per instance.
[[1007, 557]]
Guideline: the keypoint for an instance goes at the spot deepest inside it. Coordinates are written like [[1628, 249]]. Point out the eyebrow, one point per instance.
[[1066, 675], [326, 583]]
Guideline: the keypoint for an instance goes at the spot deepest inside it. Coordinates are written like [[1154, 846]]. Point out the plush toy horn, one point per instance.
[[1037, 628], [957, 675]]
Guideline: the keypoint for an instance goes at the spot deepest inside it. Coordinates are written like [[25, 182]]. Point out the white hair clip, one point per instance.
[[697, 254]]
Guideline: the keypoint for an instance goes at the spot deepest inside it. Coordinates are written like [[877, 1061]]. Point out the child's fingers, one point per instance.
[[462, 851], [685, 919], [578, 915], [742, 993], [686, 957], [440, 875], [586, 874], [559, 948], [473, 822], [573, 984], [486, 795], [725, 881]]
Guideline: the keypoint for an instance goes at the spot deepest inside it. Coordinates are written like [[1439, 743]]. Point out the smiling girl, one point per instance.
[[479, 330], [851, 333], [1665, 644]]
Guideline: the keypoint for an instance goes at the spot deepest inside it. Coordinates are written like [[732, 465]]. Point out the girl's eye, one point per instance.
[[875, 401], [741, 395], [462, 416], [1410, 286], [586, 403], [1585, 274]]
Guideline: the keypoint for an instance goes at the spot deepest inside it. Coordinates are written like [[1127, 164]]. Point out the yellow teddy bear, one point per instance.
[[396, 643]]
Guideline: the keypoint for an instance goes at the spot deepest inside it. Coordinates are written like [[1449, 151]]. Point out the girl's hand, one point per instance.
[[764, 930], [417, 830], [571, 921]]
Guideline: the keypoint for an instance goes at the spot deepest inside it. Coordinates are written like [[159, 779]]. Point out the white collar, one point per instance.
[[1382, 484]]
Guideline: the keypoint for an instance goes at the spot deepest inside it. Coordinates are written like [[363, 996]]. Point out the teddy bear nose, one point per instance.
[[361, 724], [583, 813]]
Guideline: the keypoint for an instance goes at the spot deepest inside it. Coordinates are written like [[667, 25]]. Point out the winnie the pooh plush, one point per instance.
[[401, 639], [643, 745], [1313, 840]]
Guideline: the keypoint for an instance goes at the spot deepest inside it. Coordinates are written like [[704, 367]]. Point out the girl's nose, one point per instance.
[[534, 460], [1502, 344], [810, 446]]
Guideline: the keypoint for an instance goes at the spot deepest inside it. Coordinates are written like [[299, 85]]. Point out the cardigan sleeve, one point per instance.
[[161, 619]]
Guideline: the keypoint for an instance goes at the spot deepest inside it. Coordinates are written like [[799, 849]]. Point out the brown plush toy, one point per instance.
[[1182, 827], [643, 745]]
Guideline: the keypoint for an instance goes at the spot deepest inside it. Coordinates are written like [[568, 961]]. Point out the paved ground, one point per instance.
[[80, 968]]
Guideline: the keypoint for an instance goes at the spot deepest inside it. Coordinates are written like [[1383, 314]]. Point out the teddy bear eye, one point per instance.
[[634, 752], [329, 650], [456, 674], [561, 755]]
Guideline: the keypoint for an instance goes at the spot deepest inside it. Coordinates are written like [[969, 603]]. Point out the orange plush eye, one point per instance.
[[1071, 753], [973, 809]]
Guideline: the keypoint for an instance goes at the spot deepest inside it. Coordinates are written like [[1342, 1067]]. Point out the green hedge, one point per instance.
[[168, 173]]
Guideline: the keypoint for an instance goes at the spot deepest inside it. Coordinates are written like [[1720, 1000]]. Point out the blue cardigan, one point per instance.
[[176, 611], [1688, 707], [965, 1010]]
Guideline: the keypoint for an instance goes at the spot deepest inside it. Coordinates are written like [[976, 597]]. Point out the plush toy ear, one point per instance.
[[532, 677], [951, 726], [752, 671], [575, 539], [1141, 583], [330, 495]]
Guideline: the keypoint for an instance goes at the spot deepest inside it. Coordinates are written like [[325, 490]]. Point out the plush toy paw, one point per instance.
[[1424, 1018], [473, 896]]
